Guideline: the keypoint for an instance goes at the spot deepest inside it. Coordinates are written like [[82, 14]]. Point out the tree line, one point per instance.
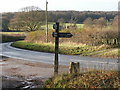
[[32, 20]]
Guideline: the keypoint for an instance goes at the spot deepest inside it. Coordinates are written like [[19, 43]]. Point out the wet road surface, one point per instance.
[[98, 63]]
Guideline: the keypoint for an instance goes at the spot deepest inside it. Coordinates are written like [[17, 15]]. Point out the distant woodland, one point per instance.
[[36, 18]]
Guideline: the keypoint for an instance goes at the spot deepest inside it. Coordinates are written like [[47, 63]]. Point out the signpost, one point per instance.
[[56, 63], [58, 35]]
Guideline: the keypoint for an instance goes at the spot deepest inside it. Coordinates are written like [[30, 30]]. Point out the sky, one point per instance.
[[77, 5]]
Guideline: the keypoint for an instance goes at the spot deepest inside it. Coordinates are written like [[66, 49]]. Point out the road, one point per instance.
[[98, 63]]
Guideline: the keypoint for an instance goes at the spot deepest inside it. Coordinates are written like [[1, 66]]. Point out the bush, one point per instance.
[[94, 37], [88, 37], [39, 36]]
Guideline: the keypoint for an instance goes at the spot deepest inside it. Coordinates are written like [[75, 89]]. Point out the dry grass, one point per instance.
[[94, 79]]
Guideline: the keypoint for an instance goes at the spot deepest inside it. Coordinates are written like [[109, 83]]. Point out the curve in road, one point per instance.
[[9, 51]]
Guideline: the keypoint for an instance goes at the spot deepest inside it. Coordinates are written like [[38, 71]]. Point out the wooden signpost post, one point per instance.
[[58, 35]]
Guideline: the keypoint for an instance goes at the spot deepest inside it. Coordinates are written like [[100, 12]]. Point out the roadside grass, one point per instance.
[[115, 53], [97, 52], [92, 79], [43, 47], [65, 48]]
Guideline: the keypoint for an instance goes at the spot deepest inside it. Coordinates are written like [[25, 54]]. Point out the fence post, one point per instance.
[[107, 41], [115, 41], [74, 67]]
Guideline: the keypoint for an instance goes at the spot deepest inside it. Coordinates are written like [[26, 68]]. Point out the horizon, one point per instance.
[[60, 5], [65, 11]]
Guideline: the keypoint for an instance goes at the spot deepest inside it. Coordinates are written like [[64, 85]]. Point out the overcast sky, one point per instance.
[[78, 5]]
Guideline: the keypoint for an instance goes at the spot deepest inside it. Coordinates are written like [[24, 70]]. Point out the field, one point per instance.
[[50, 25], [12, 33], [11, 36]]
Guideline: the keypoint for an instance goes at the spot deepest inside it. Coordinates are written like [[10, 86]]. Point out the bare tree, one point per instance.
[[29, 20], [100, 23], [73, 21], [30, 8], [88, 22], [115, 23]]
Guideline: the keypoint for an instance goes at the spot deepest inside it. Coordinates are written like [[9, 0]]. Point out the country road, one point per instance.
[[98, 63]]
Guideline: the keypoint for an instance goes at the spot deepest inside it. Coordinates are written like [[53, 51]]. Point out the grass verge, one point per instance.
[[43, 47], [93, 79], [65, 48], [115, 53]]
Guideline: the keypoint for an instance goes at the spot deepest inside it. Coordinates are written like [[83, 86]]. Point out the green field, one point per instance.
[[12, 36], [12, 33], [50, 25]]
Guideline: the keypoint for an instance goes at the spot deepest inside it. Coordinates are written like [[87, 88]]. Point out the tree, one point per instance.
[[61, 20], [88, 22], [73, 22], [100, 23], [6, 17], [15, 24], [29, 20], [115, 23]]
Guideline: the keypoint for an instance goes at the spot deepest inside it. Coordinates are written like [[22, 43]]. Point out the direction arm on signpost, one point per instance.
[[62, 35]]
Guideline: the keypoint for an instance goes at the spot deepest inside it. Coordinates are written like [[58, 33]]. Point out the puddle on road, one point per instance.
[[22, 83], [3, 57], [2, 63], [2, 60]]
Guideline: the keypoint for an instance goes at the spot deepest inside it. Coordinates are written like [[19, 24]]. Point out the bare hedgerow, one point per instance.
[[96, 37], [88, 37]]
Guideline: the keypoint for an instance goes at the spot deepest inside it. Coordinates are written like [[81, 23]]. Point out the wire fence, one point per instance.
[[104, 66]]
